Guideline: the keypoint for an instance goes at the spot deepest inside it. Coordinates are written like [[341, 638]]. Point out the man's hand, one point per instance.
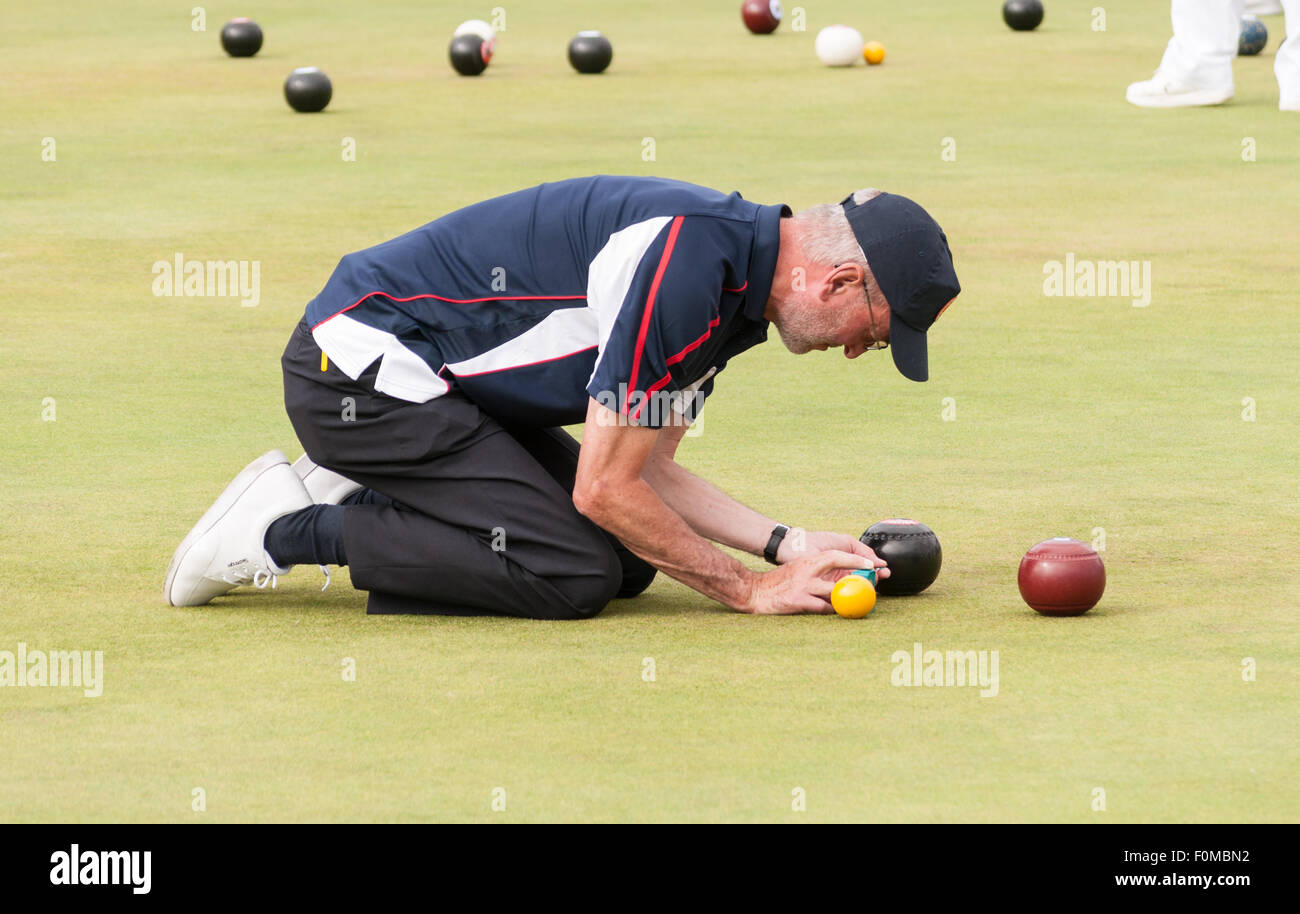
[[795, 546], [802, 585]]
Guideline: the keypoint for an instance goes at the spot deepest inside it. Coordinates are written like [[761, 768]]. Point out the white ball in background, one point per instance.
[[482, 30], [475, 27], [839, 46]]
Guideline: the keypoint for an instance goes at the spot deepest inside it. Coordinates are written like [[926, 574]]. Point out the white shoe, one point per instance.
[[224, 550], [1163, 91], [1289, 104], [1264, 7], [325, 486]]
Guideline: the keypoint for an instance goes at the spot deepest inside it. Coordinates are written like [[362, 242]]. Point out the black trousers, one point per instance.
[[483, 520]]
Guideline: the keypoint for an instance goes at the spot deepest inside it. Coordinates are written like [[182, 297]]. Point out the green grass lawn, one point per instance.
[[1068, 414]]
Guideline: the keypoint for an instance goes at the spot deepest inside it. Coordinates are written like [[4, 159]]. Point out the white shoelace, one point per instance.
[[259, 579], [262, 577]]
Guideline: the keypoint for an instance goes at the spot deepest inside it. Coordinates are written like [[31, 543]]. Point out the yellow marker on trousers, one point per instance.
[[324, 362]]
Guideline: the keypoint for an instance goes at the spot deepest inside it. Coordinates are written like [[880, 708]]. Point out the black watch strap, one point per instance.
[[774, 542]]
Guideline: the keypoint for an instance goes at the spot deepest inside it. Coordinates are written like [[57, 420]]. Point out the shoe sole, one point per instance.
[[1182, 100], [225, 501]]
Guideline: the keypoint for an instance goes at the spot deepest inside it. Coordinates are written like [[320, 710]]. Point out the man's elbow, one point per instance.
[[604, 501], [592, 500]]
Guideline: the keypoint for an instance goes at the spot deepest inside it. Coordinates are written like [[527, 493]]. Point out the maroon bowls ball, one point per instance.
[[761, 16], [1061, 577]]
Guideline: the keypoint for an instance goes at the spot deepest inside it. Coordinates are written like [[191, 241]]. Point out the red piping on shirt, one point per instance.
[[454, 301], [674, 359], [650, 302]]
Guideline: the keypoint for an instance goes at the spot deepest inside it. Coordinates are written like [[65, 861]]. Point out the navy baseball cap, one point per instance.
[[908, 254]]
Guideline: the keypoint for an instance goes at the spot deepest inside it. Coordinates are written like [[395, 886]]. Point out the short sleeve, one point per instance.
[[668, 308]]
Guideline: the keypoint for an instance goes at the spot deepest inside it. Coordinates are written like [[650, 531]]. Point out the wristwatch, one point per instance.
[[774, 542]]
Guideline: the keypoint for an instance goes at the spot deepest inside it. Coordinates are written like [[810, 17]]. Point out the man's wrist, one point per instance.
[[746, 585], [774, 541]]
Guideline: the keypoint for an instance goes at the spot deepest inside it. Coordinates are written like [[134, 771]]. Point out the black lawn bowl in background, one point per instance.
[[307, 89], [1022, 15], [912, 552], [466, 55], [1253, 37], [241, 37], [590, 52]]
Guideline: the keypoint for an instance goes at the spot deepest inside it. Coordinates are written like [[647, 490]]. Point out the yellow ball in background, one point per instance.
[[853, 597], [873, 52]]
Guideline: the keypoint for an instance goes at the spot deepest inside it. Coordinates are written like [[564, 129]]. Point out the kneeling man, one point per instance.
[[429, 380]]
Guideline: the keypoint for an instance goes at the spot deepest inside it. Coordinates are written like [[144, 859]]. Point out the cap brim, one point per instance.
[[908, 346]]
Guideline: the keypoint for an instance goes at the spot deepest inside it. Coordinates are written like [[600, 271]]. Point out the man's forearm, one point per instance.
[[658, 533], [709, 511]]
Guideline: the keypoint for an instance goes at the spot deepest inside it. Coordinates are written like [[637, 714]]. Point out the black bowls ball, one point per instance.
[[241, 37], [1022, 15], [590, 52], [466, 55], [307, 89], [912, 552]]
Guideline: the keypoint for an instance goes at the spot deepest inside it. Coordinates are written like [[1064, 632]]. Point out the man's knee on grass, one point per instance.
[[584, 596], [637, 576]]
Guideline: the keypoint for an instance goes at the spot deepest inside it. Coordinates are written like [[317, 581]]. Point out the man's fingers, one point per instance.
[[821, 587], [860, 548], [815, 604], [805, 603], [834, 558], [864, 549]]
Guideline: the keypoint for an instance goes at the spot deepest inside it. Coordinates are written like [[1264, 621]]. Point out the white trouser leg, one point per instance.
[[1287, 63], [1205, 42]]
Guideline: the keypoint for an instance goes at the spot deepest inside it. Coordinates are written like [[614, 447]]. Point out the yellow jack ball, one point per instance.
[[873, 52], [853, 597]]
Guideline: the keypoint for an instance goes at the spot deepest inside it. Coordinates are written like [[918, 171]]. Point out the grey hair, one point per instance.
[[825, 235]]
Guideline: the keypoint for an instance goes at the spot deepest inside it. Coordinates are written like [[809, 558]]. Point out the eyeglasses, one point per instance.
[[876, 342]]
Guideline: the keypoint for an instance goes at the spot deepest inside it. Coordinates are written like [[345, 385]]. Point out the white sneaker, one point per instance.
[[1163, 91], [1264, 7], [1289, 104], [325, 486], [224, 550]]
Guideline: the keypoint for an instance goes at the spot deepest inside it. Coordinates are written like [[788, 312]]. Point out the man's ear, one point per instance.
[[841, 276]]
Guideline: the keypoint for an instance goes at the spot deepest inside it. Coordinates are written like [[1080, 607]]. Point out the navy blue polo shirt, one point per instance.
[[632, 291]]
